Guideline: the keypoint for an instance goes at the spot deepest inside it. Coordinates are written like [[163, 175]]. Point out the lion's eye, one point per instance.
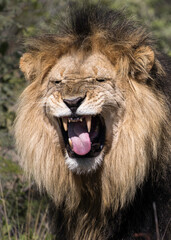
[[54, 81], [100, 79], [57, 81]]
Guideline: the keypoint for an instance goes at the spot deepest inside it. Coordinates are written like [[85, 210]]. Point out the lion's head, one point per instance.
[[92, 110]]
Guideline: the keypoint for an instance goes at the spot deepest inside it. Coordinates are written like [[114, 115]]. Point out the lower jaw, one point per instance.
[[93, 153], [84, 165]]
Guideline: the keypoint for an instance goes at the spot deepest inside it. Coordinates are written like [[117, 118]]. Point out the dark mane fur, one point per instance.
[[82, 23]]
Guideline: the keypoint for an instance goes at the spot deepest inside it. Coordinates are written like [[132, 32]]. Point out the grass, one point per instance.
[[23, 212]]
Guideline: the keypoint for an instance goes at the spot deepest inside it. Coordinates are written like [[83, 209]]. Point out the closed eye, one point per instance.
[[100, 79], [55, 81]]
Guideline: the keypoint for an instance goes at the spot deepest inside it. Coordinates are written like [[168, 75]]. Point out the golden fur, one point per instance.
[[133, 135]]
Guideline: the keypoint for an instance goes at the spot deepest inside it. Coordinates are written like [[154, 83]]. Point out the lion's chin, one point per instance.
[[84, 165]]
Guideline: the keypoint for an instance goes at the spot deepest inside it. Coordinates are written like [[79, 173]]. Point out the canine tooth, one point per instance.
[[88, 121], [70, 142], [69, 120], [81, 119], [64, 121]]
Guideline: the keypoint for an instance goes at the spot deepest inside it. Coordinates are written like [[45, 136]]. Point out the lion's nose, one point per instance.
[[74, 103]]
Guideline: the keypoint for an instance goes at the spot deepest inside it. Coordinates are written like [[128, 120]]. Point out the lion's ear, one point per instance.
[[27, 66], [144, 61]]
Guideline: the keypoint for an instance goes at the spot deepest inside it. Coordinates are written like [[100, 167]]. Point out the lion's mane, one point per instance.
[[139, 155]]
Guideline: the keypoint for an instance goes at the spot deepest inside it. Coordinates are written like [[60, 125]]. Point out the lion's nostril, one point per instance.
[[73, 104]]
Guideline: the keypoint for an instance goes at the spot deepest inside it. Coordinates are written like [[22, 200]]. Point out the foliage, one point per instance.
[[156, 15], [20, 19]]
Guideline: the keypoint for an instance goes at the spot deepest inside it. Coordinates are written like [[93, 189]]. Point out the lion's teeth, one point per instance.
[[88, 121], [70, 142], [65, 124]]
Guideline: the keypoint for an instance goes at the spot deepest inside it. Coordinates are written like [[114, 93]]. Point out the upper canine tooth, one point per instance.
[[65, 124], [88, 121]]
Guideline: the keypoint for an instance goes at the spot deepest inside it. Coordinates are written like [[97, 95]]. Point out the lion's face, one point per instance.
[[84, 104]]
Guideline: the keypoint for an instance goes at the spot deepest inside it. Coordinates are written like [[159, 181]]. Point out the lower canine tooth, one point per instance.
[[70, 142], [65, 124], [88, 121]]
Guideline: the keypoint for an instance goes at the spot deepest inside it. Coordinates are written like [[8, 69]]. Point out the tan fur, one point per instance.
[[132, 139]]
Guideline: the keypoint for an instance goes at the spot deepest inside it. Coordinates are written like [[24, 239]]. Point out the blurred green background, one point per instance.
[[21, 214]]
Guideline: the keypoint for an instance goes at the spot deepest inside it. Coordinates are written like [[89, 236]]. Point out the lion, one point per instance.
[[93, 127]]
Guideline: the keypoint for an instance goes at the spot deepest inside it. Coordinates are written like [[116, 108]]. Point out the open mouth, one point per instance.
[[84, 136]]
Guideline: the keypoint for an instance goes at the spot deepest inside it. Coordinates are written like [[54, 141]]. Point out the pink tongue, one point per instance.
[[80, 138]]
